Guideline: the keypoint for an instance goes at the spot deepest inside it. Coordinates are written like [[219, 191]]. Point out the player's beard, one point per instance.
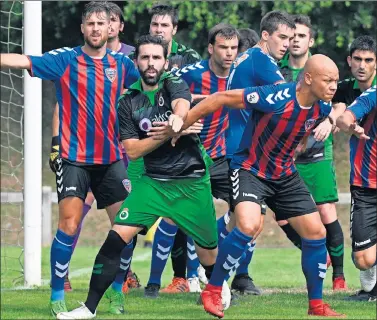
[[95, 46], [151, 81]]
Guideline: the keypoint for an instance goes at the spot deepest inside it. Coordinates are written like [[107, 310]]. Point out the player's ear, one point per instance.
[[308, 78], [265, 35], [82, 28], [349, 61], [175, 30], [121, 27], [311, 42], [210, 49], [166, 65]]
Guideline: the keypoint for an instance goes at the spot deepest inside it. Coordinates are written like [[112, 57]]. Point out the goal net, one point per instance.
[[12, 112]]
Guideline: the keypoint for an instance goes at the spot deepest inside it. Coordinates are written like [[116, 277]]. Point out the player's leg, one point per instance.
[[72, 186], [162, 246], [193, 265], [294, 202]]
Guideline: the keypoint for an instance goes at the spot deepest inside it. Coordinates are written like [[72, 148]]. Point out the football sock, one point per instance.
[[313, 262], [244, 262], [125, 262], [162, 245], [86, 209], [60, 256], [192, 259], [179, 255], [230, 252], [335, 247], [292, 235], [221, 228], [208, 270], [106, 265], [134, 241]]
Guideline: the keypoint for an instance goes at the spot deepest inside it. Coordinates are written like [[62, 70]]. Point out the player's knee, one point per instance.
[[327, 211], [169, 221], [318, 231], [248, 228], [69, 226], [364, 261], [281, 223]]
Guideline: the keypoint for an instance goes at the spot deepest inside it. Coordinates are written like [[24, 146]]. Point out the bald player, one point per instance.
[[263, 170]]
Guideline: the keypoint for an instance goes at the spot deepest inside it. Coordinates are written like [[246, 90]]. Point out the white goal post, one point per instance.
[[32, 149]]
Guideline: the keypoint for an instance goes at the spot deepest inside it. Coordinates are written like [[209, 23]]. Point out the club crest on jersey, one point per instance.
[[124, 214], [127, 185], [161, 101], [309, 124], [252, 97], [145, 125], [111, 74]]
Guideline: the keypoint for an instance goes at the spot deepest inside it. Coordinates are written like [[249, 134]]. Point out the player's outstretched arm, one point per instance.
[[231, 98], [14, 61], [346, 122]]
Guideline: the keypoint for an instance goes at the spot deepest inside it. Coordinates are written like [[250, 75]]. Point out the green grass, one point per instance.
[[276, 271]]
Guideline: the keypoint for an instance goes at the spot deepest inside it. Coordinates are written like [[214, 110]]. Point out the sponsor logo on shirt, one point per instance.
[[359, 244], [145, 125]]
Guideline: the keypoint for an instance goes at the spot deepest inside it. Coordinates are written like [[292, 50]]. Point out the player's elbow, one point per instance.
[[133, 155], [342, 123]]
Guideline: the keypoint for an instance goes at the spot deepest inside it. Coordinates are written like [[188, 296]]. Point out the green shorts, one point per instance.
[[135, 169], [188, 202], [320, 179]]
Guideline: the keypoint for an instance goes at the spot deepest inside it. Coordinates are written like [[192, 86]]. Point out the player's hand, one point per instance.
[[161, 130], [175, 122], [323, 130], [335, 129], [54, 154], [196, 128], [358, 131]]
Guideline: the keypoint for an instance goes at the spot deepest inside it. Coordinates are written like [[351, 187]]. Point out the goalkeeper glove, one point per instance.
[[54, 154]]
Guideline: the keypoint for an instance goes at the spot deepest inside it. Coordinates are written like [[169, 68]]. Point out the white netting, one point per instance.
[[11, 148]]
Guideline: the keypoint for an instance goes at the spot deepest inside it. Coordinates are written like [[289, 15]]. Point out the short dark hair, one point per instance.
[[95, 7], [304, 20], [363, 43], [115, 9], [222, 29], [165, 10], [148, 39], [271, 21], [248, 39]]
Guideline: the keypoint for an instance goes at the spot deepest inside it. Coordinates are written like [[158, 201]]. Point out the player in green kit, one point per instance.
[[315, 164], [176, 183]]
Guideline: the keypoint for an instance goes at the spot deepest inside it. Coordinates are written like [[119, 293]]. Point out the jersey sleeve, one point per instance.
[[364, 104], [132, 74], [51, 65], [178, 89], [266, 71], [326, 108], [127, 129], [267, 99]]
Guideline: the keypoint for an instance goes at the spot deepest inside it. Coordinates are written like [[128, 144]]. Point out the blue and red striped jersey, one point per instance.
[[87, 91], [363, 153], [276, 125], [201, 80], [251, 68]]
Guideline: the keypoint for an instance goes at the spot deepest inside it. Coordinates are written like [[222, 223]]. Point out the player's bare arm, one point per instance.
[[346, 122], [14, 61], [180, 108], [231, 98]]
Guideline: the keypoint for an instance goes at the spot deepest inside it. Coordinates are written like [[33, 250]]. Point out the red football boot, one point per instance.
[[324, 310], [339, 284], [211, 299]]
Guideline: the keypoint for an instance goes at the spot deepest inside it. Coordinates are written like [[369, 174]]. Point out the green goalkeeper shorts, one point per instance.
[[320, 179], [188, 202]]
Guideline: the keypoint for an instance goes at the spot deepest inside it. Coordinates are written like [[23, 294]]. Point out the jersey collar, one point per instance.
[[356, 83], [284, 62], [174, 47], [137, 85]]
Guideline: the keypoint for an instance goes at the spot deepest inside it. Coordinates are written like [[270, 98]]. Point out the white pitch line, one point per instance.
[[80, 272]]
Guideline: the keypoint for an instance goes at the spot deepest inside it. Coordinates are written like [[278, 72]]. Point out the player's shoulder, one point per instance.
[[192, 70], [170, 78], [118, 55], [346, 84], [371, 92], [258, 56], [64, 52], [187, 51]]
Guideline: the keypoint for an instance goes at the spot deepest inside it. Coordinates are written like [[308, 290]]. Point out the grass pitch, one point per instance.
[[276, 271]]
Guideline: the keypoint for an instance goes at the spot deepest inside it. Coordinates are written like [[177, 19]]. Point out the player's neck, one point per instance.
[[94, 53], [114, 44], [304, 97], [298, 62], [367, 84], [218, 70], [169, 47]]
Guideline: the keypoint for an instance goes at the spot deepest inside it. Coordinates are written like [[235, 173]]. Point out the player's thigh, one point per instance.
[[248, 196], [293, 202], [319, 178], [193, 211], [363, 222], [219, 172], [110, 184]]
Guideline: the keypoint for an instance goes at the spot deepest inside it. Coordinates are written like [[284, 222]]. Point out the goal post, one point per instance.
[[32, 149]]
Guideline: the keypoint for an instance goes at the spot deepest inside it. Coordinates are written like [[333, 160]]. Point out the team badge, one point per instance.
[[161, 101], [145, 125], [252, 97], [111, 74], [124, 214], [309, 124], [127, 185]]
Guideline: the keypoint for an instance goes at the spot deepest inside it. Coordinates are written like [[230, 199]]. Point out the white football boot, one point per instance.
[[79, 313]]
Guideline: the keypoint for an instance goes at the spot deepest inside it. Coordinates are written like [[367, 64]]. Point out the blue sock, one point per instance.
[[192, 259], [60, 256], [313, 261], [244, 262], [162, 245], [221, 228], [124, 266], [229, 255]]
